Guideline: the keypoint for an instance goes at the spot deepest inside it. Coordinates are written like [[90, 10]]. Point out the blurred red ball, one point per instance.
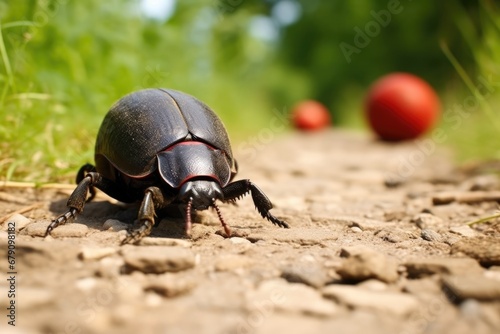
[[401, 106], [310, 115]]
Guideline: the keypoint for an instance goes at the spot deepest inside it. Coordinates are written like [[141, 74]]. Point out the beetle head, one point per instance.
[[201, 193]]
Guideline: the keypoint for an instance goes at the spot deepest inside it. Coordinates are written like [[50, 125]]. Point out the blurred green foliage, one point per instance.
[[63, 64]]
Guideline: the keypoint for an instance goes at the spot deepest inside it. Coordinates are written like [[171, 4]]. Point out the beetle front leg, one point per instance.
[[240, 188], [153, 197], [76, 201]]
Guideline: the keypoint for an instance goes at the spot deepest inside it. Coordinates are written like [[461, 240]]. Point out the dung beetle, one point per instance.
[[163, 147]]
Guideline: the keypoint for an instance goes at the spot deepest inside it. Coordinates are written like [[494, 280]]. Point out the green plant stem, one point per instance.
[[8, 69], [468, 82], [482, 220]]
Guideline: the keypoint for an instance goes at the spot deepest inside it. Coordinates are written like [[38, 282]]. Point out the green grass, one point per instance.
[[58, 79]]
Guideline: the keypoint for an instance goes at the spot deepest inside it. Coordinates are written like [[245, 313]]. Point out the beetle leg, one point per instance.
[[153, 197], [240, 188], [84, 170], [75, 203], [78, 198]]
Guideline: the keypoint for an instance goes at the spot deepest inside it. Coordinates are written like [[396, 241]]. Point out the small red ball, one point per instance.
[[310, 115], [401, 106]]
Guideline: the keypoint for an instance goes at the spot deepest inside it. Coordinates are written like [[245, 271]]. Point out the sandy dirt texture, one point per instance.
[[378, 243]]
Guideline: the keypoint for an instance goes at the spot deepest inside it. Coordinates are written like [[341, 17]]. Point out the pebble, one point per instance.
[[393, 302], [470, 309], [430, 235], [463, 230], [364, 263], [231, 262], [442, 266], [394, 235], [373, 284], [96, 253], [115, 225], [427, 220], [150, 241], [311, 274], [86, 284], [158, 259], [459, 288], [238, 241], [72, 230], [152, 300], [18, 220], [36, 229], [170, 285], [484, 249], [277, 294], [356, 229]]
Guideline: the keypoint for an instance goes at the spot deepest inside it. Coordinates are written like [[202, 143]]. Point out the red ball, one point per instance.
[[310, 115], [401, 106]]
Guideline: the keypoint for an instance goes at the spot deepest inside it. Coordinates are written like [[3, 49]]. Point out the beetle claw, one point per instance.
[[134, 236], [61, 220]]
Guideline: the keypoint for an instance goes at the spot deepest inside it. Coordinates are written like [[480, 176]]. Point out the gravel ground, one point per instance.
[[378, 244]]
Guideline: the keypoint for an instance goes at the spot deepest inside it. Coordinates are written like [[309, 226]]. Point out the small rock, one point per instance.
[[484, 249], [431, 235], [364, 263], [70, 230], [170, 285], [94, 253], [86, 284], [451, 238], [373, 285], [158, 259], [394, 235], [150, 241], [459, 288], [356, 229], [394, 302], [238, 240], [152, 300], [36, 229], [115, 225], [16, 221], [277, 294], [470, 309], [232, 262], [307, 273], [442, 266], [463, 230], [427, 220]]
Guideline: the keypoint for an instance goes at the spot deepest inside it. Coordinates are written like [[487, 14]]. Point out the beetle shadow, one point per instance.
[[95, 213], [169, 221]]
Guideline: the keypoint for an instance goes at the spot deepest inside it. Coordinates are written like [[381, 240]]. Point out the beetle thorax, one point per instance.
[[202, 193]]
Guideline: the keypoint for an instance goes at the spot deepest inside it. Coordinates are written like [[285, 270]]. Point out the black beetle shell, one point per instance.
[[143, 123]]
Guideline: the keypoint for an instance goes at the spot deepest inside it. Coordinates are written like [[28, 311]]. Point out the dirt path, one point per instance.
[[378, 244]]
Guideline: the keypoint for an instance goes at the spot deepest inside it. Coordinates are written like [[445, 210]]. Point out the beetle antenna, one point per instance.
[[188, 216], [219, 213]]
